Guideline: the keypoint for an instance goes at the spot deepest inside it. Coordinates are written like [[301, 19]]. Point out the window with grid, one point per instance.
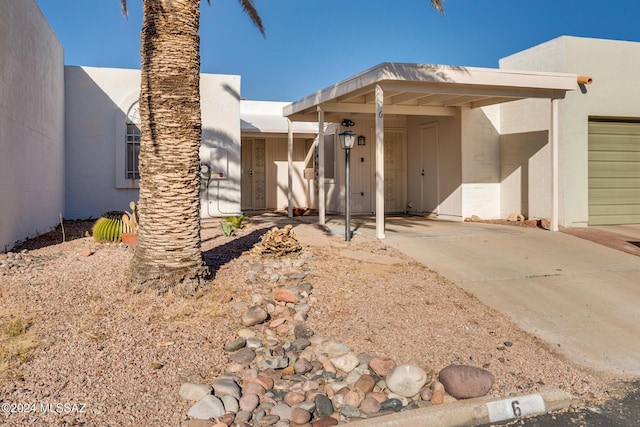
[[132, 151]]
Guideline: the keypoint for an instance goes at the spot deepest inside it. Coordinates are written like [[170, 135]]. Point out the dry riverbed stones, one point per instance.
[[280, 373]]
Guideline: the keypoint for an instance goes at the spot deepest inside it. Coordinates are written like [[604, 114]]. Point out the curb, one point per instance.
[[483, 410]]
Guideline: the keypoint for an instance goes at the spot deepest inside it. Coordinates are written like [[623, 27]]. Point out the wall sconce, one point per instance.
[[362, 140]]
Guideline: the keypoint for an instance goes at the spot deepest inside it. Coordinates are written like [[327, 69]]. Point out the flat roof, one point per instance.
[[427, 89], [265, 117]]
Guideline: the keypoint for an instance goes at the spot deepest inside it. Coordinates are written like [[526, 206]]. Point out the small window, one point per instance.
[[132, 151]]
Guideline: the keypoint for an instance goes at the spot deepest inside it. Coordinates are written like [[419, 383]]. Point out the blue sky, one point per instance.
[[313, 44]]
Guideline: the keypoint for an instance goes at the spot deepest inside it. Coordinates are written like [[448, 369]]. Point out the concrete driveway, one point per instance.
[[581, 297]]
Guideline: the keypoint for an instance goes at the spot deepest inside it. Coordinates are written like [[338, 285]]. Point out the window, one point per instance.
[[127, 144], [133, 151]]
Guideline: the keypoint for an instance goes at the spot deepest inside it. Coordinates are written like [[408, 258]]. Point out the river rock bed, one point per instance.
[[280, 373]]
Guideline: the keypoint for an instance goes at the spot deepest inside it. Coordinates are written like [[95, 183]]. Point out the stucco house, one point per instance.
[[531, 137]]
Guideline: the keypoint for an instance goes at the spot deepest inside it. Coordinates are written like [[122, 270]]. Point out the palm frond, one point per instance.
[[250, 9], [123, 4], [438, 5]]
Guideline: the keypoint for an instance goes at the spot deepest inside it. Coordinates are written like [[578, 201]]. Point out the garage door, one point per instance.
[[614, 172]]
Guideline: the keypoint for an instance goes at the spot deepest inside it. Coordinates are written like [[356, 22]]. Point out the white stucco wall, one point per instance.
[[220, 103], [480, 162], [97, 101], [614, 66], [31, 123]]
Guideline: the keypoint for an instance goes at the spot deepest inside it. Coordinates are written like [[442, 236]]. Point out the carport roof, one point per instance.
[[425, 89]]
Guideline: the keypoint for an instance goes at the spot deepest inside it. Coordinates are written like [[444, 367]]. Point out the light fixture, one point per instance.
[[347, 141], [362, 140], [347, 123]]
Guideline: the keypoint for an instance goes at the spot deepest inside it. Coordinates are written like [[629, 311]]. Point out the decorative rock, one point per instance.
[[207, 407], [294, 398], [301, 331], [268, 420], [226, 420], [193, 391], [300, 416], [285, 295], [300, 343], [249, 402], [308, 406], [246, 355], [426, 394], [465, 382], [346, 363], [275, 362], [437, 397], [254, 343], [349, 411], [253, 388], [380, 397], [382, 365], [365, 383], [282, 410], [369, 406], [354, 397], [326, 422], [334, 348], [324, 407], [393, 404], [243, 417], [225, 386], [302, 366], [515, 217], [230, 404], [235, 344], [406, 380], [254, 316]]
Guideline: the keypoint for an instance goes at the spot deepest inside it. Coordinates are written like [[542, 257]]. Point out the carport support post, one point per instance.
[[553, 143], [321, 195], [379, 162], [289, 168]]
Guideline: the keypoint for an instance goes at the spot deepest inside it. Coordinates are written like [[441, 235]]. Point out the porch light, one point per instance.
[[362, 140], [347, 141]]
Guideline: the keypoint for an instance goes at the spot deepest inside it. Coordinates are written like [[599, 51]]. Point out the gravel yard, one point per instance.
[[83, 349]]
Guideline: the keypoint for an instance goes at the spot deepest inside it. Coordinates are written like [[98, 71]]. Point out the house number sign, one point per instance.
[[521, 406]]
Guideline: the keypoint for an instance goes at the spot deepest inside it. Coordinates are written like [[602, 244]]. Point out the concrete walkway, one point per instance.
[[581, 297]]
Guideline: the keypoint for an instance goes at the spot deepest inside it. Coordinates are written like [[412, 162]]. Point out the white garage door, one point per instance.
[[614, 172]]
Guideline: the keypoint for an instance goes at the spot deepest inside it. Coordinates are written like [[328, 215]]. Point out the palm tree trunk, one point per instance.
[[169, 252]]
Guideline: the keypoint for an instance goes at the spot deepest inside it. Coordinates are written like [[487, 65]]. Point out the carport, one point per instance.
[[424, 90]]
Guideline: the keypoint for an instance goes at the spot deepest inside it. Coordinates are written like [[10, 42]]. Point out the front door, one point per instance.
[[428, 171], [253, 180]]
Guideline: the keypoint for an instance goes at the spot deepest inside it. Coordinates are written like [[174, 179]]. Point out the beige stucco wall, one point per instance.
[[31, 123], [97, 101], [614, 67]]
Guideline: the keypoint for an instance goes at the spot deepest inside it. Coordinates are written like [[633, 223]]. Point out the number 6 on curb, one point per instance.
[[517, 407]]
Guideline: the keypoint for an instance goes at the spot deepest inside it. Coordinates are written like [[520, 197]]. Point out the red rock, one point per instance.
[[365, 383], [466, 382], [326, 422], [300, 416], [253, 388], [285, 295], [369, 406], [293, 398], [437, 396], [382, 365]]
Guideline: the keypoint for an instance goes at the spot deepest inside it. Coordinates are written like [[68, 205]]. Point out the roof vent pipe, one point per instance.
[[584, 80]]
